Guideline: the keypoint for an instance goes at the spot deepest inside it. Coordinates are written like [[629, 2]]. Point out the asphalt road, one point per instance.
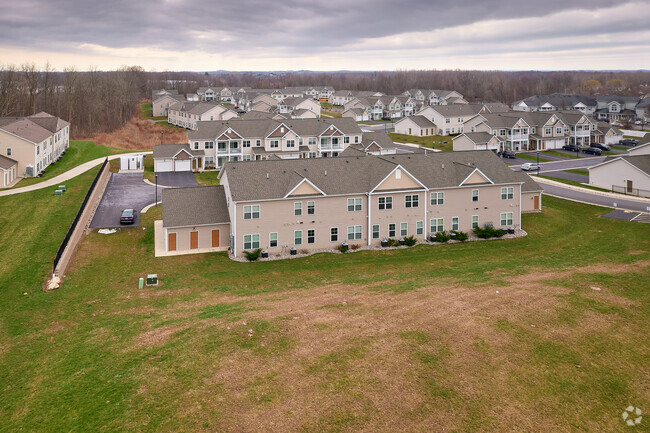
[[563, 164], [124, 191], [594, 198], [179, 178]]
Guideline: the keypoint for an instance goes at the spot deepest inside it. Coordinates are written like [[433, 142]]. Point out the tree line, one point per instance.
[[101, 101]]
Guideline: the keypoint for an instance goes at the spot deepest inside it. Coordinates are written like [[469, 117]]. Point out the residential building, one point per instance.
[[179, 157], [606, 134], [557, 101], [477, 141], [375, 143], [8, 171], [160, 105], [419, 126], [238, 139], [34, 142], [624, 174], [188, 114], [643, 148], [358, 114], [435, 97], [316, 204], [512, 131], [450, 119], [616, 108], [642, 110], [298, 107]]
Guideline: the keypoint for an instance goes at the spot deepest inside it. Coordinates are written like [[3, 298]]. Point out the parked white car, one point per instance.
[[529, 166]]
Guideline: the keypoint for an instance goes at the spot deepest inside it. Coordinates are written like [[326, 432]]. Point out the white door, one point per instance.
[[164, 165], [183, 165]]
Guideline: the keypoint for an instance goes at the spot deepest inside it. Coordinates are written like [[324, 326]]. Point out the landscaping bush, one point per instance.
[[410, 241], [355, 246], [392, 242], [460, 236], [253, 255], [488, 232], [442, 237], [341, 248]]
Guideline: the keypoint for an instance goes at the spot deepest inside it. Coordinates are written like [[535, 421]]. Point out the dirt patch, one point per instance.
[[139, 134]]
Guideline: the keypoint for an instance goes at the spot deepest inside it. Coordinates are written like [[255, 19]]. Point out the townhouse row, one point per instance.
[[30, 144], [317, 204]]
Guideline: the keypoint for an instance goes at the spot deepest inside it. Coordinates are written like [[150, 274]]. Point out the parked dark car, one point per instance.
[[592, 150], [128, 216], [241, 111], [508, 154], [628, 142], [600, 146], [571, 147]]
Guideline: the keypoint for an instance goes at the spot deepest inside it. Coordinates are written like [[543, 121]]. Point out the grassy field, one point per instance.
[[563, 155], [431, 141], [543, 333], [532, 157], [207, 177], [78, 153], [571, 182], [146, 110]]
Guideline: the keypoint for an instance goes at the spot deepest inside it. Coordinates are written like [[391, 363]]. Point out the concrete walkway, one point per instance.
[[74, 172]]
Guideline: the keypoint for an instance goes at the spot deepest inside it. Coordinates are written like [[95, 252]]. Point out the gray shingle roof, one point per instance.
[[169, 150], [480, 137], [559, 100], [360, 174], [381, 138], [457, 109], [420, 121], [642, 162], [194, 206], [6, 162]]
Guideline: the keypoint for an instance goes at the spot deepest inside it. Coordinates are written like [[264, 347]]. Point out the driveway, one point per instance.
[[124, 191], [176, 178], [596, 198]]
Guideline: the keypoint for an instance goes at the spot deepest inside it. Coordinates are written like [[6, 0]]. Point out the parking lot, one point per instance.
[[124, 191]]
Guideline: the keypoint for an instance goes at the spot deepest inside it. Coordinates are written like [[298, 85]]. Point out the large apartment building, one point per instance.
[[317, 204], [33, 142], [435, 97], [249, 140], [188, 114]]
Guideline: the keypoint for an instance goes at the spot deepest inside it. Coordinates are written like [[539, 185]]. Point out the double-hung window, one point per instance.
[[354, 232], [247, 143], [403, 229], [291, 143], [474, 221], [354, 204], [475, 195], [385, 203], [411, 200], [311, 236], [454, 223], [375, 231], [437, 225], [437, 198], [334, 234], [311, 207], [507, 193], [391, 230], [251, 212], [273, 240], [275, 144], [297, 237], [251, 241], [506, 219], [419, 228], [297, 208]]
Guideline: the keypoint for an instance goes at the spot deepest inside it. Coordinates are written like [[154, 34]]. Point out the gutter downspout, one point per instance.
[[369, 220]]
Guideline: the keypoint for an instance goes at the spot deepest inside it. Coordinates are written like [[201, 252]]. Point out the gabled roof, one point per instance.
[[265, 180], [455, 110], [171, 150], [29, 128], [6, 162], [640, 162], [381, 138], [420, 121], [478, 137], [193, 206], [560, 100]]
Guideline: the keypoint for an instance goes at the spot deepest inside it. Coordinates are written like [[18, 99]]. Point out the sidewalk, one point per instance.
[[74, 172], [591, 191]]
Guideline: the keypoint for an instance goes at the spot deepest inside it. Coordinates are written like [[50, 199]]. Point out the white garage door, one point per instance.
[[182, 165], [163, 165]]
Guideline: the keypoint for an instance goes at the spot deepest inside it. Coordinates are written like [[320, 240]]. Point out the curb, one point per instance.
[[590, 191]]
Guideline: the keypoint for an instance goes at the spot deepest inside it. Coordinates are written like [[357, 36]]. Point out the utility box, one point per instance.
[[62, 188], [140, 283], [58, 192], [152, 279]]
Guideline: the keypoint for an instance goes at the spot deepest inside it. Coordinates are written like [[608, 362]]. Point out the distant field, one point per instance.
[[431, 141], [542, 333]]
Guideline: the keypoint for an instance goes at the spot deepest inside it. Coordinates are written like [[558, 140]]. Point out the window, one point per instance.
[[38, 150], [507, 193], [391, 230], [502, 132], [251, 212], [273, 240], [251, 242], [246, 158], [385, 203], [311, 207], [437, 198], [311, 236], [334, 234], [258, 142], [558, 131], [291, 143], [312, 141], [312, 154], [354, 232], [475, 195], [375, 231], [247, 143], [354, 204], [474, 221], [208, 145], [297, 208], [356, 138], [547, 131], [447, 120], [403, 229], [297, 237], [411, 200], [506, 219], [437, 225], [275, 144], [196, 145], [346, 140], [9, 151], [419, 228], [454, 223]]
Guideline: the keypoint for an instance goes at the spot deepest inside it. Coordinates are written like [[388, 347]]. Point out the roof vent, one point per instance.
[[267, 175], [443, 166], [325, 172]]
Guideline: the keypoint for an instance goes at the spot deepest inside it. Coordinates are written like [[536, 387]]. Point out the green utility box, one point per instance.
[[58, 192], [141, 283], [62, 188], [152, 279]]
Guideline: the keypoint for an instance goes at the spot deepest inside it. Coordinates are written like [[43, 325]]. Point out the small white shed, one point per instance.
[[132, 162]]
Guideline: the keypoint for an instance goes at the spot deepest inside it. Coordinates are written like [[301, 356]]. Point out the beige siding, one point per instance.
[[618, 173], [205, 236]]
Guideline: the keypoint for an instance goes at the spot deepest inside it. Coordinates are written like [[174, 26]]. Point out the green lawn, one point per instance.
[[620, 147], [578, 171], [532, 157], [146, 110], [572, 182], [431, 141], [543, 333], [78, 153], [207, 177], [563, 155]]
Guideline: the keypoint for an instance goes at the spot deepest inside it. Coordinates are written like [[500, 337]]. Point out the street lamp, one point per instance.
[[537, 162], [156, 190]]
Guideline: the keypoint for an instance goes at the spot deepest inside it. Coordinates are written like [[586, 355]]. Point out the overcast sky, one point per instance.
[[327, 34]]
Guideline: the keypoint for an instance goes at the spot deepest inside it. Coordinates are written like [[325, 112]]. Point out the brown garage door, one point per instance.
[[171, 242], [536, 202], [215, 238], [194, 240]]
